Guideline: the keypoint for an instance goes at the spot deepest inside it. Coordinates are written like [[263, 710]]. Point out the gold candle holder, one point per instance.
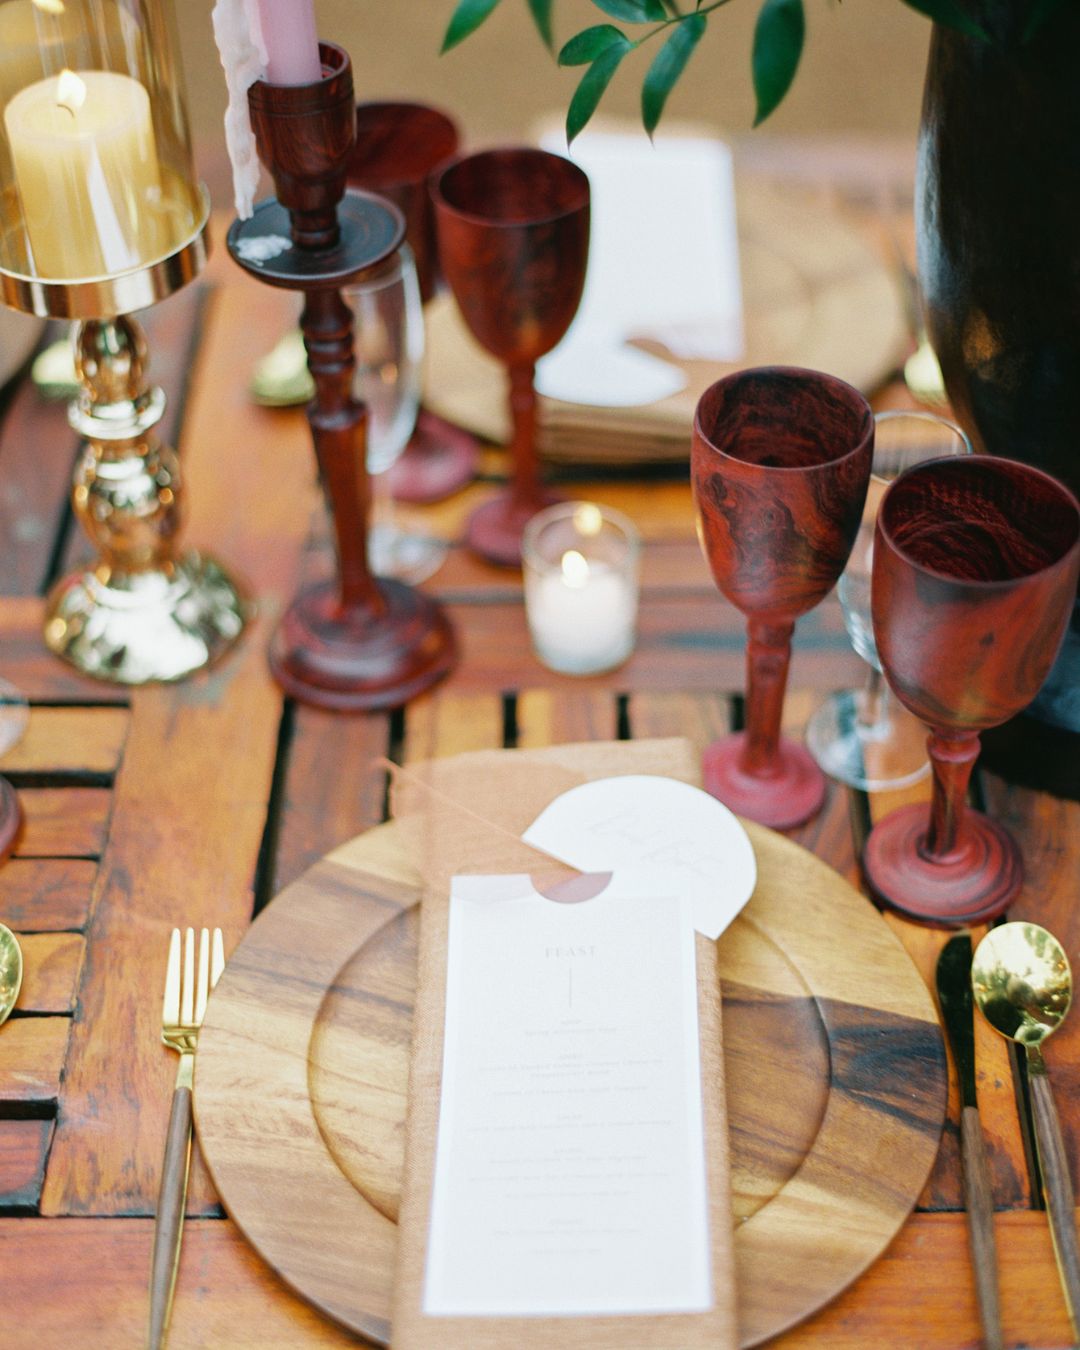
[[101, 216]]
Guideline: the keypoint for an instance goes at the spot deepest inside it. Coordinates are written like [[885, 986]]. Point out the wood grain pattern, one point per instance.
[[51, 966], [24, 1147], [1057, 1190], [202, 818], [31, 1061], [70, 741], [975, 569], [64, 822], [979, 1204], [780, 460], [513, 234], [224, 1286], [40, 895], [399, 146], [351, 900]]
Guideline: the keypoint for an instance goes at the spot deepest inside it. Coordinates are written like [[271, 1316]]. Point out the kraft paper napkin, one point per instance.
[[467, 815]]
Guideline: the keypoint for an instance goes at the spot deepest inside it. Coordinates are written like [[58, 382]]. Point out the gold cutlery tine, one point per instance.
[[217, 959], [170, 1007], [203, 987], [187, 988]]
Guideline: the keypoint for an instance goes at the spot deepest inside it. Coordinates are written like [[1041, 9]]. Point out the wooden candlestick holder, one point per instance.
[[362, 642]]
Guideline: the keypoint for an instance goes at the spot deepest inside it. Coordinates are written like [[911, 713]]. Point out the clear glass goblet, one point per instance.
[[389, 360], [864, 737]]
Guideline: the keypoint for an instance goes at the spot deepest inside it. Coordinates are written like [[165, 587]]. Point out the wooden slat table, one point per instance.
[[194, 804]]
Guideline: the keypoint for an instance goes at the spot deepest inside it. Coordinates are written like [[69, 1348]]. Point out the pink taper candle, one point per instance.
[[291, 41]]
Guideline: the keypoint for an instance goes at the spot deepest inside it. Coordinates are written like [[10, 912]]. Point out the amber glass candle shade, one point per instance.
[[975, 570], [96, 172], [780, 462]]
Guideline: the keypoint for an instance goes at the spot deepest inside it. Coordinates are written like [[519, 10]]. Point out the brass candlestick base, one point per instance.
[[143, 612]]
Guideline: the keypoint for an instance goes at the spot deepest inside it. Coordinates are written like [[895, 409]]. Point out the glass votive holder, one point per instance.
[[581, 586]]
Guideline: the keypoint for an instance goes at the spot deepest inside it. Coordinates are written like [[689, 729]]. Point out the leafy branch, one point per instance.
[[779, 33]]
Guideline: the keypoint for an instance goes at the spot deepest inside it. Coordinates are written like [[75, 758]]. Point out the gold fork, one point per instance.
[[182, 1012]]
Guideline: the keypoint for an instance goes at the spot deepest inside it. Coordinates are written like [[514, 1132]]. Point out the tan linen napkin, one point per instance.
[[466, 815]]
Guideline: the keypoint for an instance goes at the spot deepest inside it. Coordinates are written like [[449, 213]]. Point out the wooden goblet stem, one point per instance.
[[526, 477], [339, 430], [952, 757], [767, 656]]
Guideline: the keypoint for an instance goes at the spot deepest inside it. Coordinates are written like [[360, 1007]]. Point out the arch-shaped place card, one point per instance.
[[667, 835]]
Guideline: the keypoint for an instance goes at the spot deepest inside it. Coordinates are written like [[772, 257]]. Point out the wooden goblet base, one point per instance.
[[977, 884], [494, 530], [439, 460], [784, 799], [356, 661], [10, 817]]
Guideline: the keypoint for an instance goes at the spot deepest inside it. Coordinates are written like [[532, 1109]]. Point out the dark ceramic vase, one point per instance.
[[998, 216]]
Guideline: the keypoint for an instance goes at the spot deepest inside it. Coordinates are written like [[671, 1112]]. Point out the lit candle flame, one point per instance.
[[70, 91], [575, 569], [588, 519]]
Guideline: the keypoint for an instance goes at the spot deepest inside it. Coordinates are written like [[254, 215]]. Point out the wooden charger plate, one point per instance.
[[835, 1070]]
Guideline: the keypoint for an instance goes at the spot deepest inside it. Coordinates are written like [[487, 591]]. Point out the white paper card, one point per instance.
[[670, 835], [570, 1159], [663, 260]]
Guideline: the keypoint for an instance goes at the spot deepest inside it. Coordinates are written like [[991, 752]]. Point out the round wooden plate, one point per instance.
[[835, 1071]]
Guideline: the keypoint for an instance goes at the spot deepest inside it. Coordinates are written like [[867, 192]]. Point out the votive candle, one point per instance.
[[581, 587]]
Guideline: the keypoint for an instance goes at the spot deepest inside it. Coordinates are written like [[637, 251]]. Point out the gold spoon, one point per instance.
[[1022, 983], [11, 972]]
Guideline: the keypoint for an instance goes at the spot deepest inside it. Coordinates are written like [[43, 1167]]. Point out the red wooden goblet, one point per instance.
[[975, 569], [513, 228], [780, 464], [399, 148]]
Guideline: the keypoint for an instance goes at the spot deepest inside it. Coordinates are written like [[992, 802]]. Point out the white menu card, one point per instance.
[[570, 1160]]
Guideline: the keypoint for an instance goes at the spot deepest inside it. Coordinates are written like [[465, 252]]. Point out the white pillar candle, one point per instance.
[[581, 588], [86, 167]]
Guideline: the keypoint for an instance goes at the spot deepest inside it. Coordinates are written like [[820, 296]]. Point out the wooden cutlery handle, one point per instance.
[[1058, 1192], [978, 1201], [172, 1197]]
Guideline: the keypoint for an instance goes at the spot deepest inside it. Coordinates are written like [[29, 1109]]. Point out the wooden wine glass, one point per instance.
[[975, 569], [399, 148], [780, 463], [513, 230]]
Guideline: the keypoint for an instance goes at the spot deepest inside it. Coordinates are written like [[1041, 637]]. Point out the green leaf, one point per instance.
[[668, 64], [633, 11], [585, 47], [589, 92], [541, 12], [952, 14], [778, 44], [466, 19]]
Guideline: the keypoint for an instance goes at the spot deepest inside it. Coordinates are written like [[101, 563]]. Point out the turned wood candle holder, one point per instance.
[[360, 642]]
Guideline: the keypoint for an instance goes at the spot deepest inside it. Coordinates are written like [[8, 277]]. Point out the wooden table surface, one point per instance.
[[194, 804]]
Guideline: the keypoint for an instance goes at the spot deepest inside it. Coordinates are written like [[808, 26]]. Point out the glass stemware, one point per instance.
[[513, 229], [861, 737], [975, 567], [399, 148], [389, 358], [780, 464]]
